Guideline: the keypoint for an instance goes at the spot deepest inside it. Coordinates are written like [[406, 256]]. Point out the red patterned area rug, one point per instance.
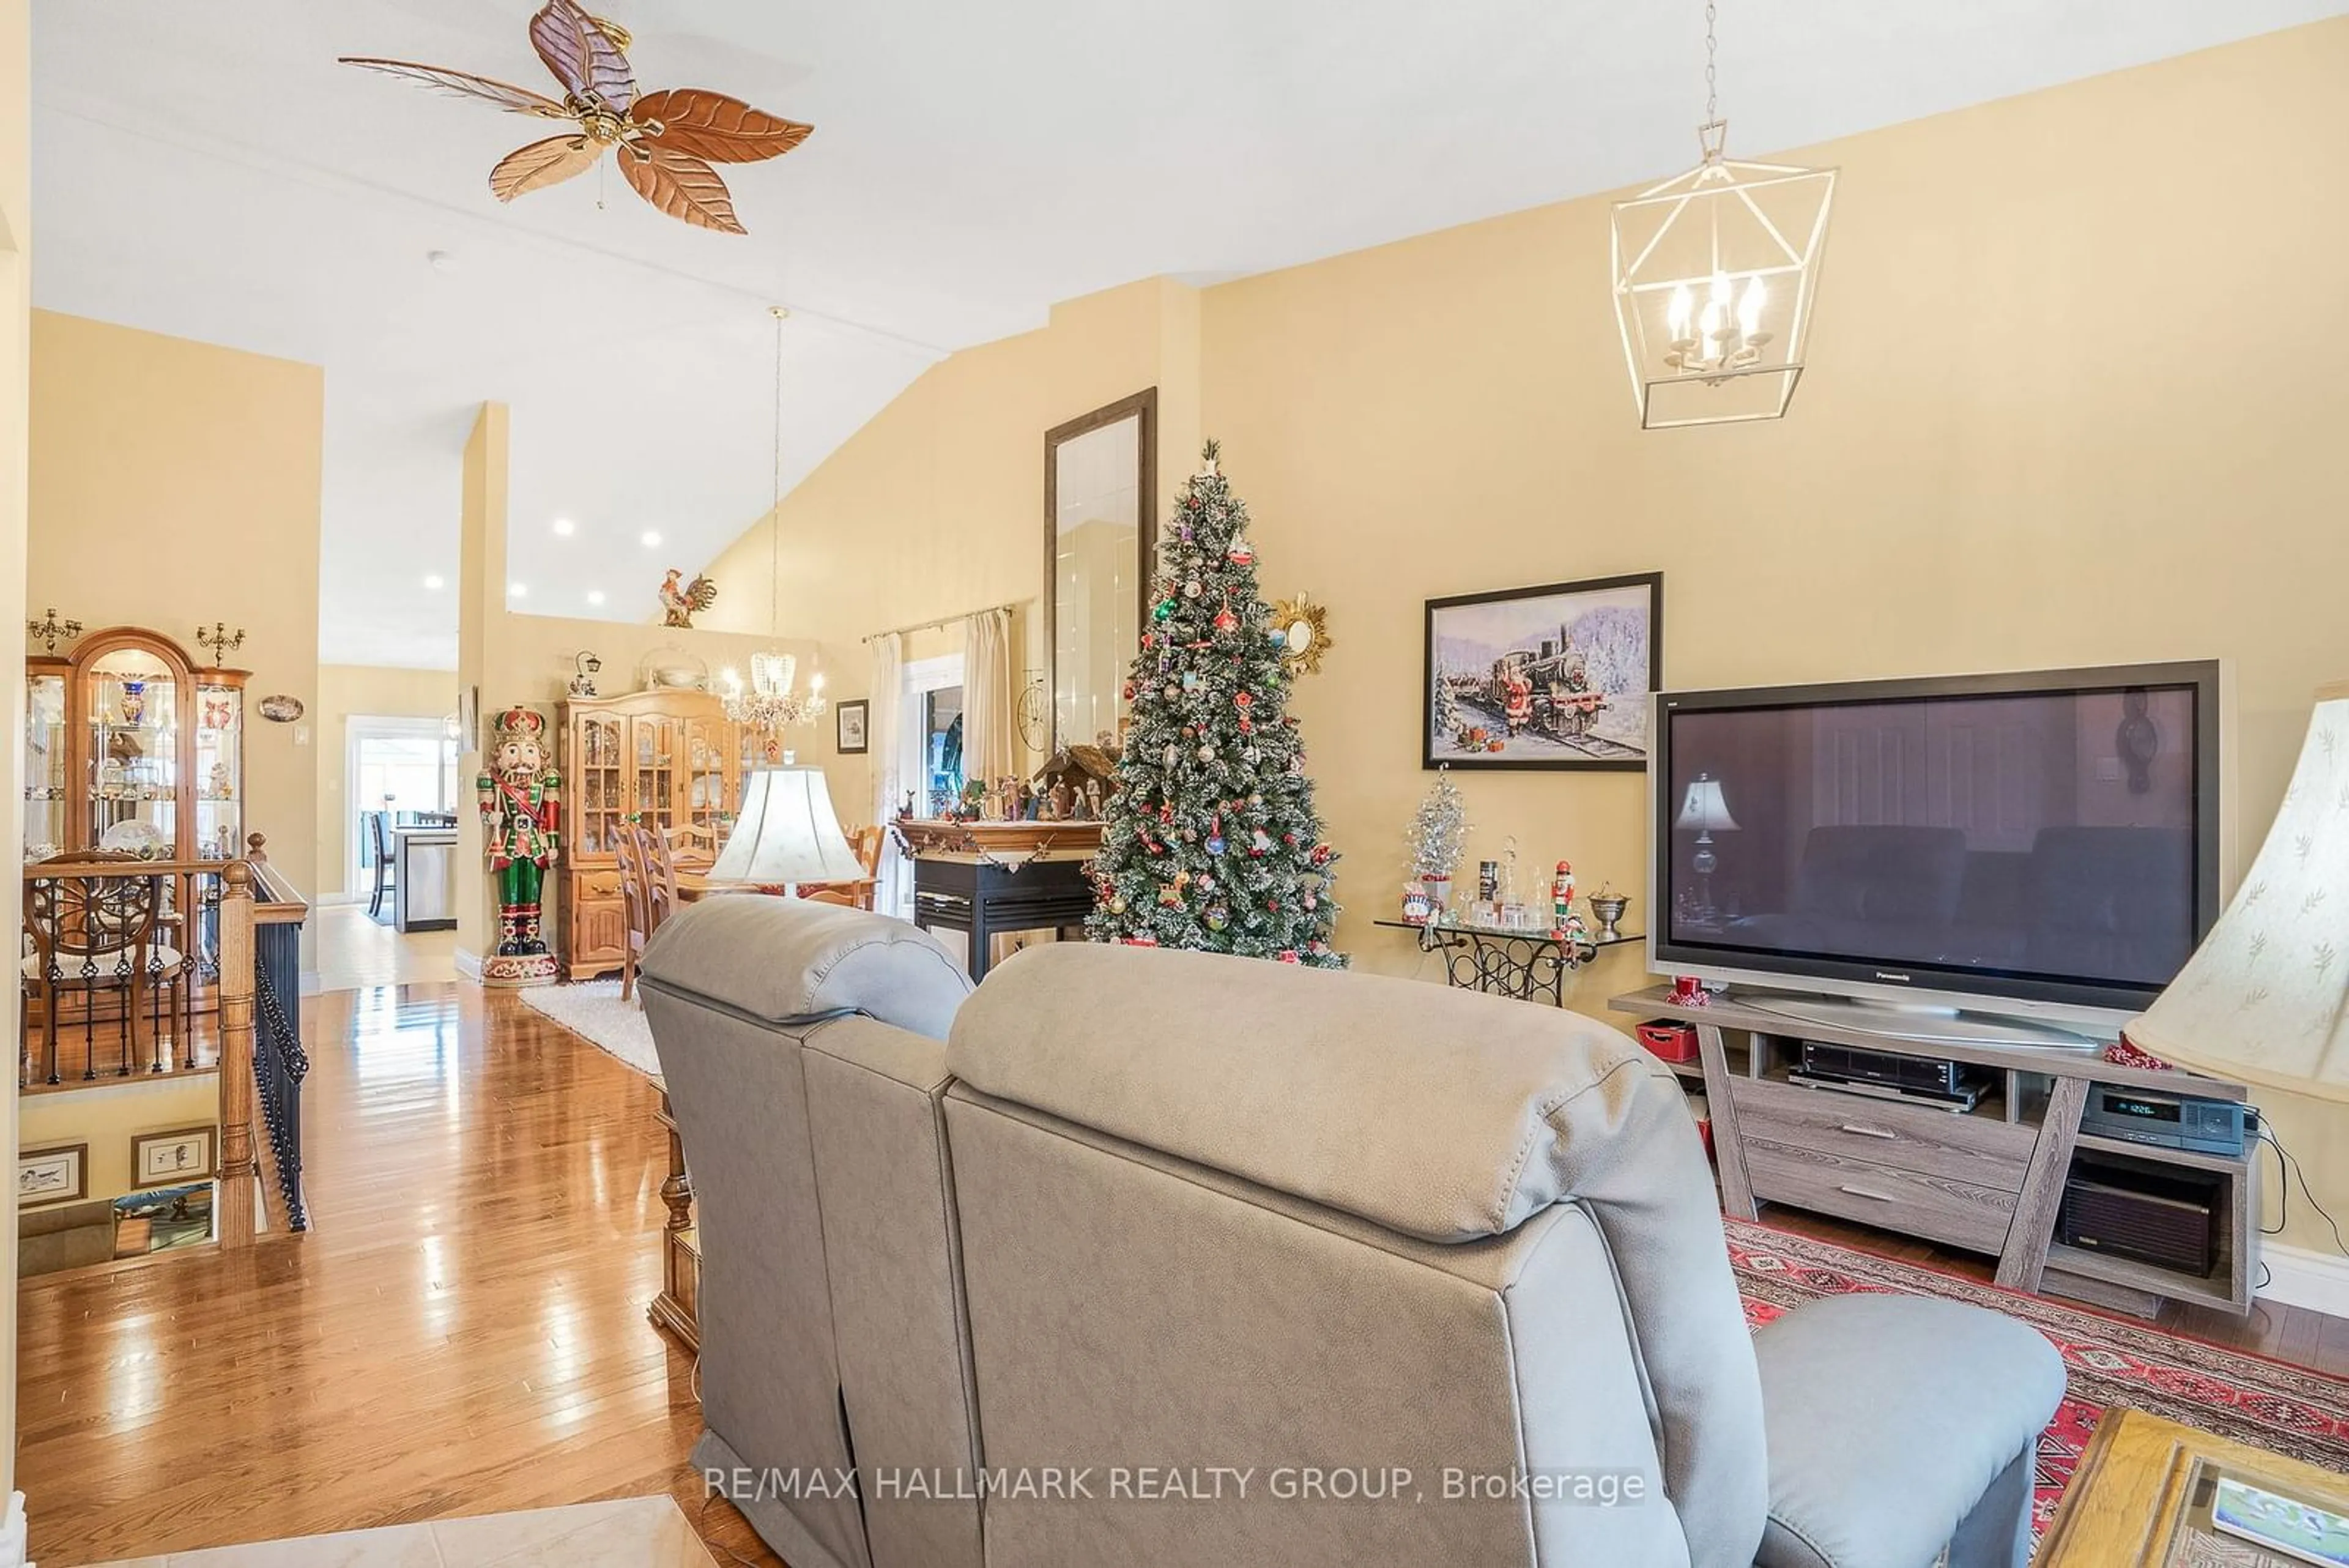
[[2111, 1361]]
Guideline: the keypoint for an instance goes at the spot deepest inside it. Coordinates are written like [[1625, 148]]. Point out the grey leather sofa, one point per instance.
[[1161, 1258]]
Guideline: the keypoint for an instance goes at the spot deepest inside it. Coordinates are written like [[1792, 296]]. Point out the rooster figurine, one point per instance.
[[679, 604]]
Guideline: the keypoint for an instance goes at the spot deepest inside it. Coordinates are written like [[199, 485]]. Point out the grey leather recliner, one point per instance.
[[1365, 1270]]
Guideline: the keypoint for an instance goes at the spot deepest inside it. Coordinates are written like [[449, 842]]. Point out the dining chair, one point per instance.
[[96, 931], [379, 831], [691, 841], [635, 904]]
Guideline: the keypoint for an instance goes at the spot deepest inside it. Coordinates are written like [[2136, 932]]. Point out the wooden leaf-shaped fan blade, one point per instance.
[[543, 163], [684, 187], [713, 126], [506, 95], [582, 55]]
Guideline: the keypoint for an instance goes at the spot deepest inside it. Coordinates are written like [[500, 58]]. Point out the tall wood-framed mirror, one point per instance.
[[1100, 536]]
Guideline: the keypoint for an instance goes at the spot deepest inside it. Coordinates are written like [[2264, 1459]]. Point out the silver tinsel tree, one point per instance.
[[1439, 833]]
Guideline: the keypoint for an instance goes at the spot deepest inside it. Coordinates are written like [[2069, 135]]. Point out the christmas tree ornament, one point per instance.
[[1289, 955], [1240, 553], [1174, 754], [1225, 621], [1260, 843], [1208, 752], [1129, 692], [1242, 701], [1162, 610], [1192, 589], [1217, 917]]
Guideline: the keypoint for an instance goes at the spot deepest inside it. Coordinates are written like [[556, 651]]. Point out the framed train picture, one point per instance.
[[1553, 676]]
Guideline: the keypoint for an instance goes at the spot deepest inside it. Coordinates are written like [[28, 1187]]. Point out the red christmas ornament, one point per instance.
[[1247, 728], [1225, 621], [1289, 955], [1143, 940], [1242, 701]]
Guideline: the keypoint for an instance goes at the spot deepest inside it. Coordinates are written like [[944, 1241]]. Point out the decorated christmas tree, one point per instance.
[[1212, 841]]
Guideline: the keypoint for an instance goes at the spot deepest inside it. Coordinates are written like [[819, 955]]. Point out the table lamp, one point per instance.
[[2265, 999], [1703, 810], [787, 833]]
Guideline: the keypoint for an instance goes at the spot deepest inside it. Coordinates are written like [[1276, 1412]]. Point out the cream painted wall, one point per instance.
[[109, 1118], [174, 484], [2060, 410], [373, 691], [16, 360]]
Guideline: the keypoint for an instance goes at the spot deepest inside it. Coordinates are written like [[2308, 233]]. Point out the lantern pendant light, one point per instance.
[[1715, 273]]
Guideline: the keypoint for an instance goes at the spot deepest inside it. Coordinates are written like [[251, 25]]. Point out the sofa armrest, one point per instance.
[[1898, 1426]]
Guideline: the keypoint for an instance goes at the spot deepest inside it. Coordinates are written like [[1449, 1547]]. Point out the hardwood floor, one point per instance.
[[461, 1331], [464, 1330]]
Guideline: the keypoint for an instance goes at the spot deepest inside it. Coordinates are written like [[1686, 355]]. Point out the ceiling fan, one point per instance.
[[665, 142]]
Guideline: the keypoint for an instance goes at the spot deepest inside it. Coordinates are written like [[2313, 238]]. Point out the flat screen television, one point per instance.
[[2038, 844]]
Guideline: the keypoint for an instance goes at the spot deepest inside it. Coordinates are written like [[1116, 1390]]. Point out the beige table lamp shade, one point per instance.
[[2265, 999], [787, 833]]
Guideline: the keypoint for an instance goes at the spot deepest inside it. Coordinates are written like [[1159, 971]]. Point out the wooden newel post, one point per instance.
[[237, 1183]]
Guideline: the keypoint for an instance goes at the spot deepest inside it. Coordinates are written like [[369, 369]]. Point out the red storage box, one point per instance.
[[1671, 1042]]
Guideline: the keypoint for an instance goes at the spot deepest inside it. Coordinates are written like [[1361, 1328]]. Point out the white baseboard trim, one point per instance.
[[469, 965], [2304, 1277]]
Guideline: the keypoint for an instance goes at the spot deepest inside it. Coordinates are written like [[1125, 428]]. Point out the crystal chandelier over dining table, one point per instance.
[[1716, 271], [769, 703]]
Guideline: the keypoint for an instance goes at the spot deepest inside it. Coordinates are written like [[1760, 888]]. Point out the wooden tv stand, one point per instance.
[[1990, 1181]]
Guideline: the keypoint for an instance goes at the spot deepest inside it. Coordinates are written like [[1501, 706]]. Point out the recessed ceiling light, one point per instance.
[[440, 261], [594, 596], [435, 582], [517, 591], [565, 526], [652, 539]]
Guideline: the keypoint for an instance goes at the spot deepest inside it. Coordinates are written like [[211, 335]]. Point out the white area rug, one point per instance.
[[593, 1011]]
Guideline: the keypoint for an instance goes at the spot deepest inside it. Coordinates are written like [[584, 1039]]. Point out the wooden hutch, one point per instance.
[[668, 757], [129, 744]]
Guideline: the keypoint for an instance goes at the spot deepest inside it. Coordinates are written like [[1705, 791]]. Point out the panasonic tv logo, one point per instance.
[[1896, 979]]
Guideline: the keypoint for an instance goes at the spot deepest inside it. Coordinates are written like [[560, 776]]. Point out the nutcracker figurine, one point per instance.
[[522, 805]]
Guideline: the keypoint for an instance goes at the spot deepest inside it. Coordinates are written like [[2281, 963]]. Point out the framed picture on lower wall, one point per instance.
[[1551, 676], [58, 1174], [849, 720], [163, 1158]]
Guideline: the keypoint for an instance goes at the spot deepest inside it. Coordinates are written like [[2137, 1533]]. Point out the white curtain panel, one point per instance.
[[894, 893], [2265, 999], [990, 728]]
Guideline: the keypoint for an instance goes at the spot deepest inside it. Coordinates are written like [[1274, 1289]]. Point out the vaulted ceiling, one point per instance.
[[207, 170]]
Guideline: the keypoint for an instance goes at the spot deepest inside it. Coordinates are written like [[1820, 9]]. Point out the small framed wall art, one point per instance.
[[848, 726], [58, 1174], [1551, 676], [166, 1159]]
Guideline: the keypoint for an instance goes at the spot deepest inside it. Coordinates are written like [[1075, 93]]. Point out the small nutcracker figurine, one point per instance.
[[522, 804]]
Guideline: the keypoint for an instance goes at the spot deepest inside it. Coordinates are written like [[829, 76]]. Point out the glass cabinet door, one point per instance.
[[706, 741], [598, 790], [657, 760], [45, 794], [134, 754], [220, 762]]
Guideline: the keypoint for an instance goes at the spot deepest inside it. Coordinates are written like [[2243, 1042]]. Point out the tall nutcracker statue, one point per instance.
[[522, 805]]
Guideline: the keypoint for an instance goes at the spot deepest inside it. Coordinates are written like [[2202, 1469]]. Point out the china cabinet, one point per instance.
[[668, 758], [131, 745]]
